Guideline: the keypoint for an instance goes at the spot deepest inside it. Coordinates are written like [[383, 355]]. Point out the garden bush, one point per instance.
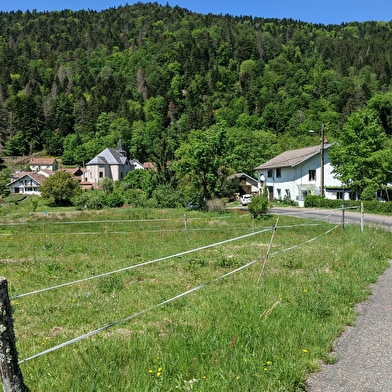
[[216, 205], [370, 206], [114, 200], [259, 205]]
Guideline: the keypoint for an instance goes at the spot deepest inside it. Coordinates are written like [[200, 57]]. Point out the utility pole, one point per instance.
[[322, 160]]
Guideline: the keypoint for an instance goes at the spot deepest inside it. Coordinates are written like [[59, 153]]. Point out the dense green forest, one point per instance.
[[160, 77]]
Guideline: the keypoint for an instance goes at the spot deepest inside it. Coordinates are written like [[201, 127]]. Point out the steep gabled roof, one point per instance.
[[109, 156], [248, 178], [37, 178], [292, 158]]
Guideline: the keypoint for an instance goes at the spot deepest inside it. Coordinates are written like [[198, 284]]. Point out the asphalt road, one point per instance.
[[363, 352], [336, 216]]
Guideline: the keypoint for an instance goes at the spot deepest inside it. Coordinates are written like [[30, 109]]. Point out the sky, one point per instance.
[[313, 11]]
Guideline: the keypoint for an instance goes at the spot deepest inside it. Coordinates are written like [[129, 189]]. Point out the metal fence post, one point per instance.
[[186, 223], [11, 374]]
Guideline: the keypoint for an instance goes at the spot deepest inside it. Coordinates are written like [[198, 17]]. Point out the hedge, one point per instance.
[[372, 206]]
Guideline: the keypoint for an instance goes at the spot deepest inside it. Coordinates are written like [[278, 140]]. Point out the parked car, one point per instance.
[[245, 199]]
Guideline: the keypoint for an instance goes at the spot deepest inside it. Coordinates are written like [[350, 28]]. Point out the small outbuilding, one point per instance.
[[246, 183]]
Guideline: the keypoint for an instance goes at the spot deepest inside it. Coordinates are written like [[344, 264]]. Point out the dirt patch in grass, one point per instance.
[[8, 261]]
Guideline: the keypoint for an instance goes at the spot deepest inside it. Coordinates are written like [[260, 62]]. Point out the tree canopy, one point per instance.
[[361, 157], [60, 188], [75, 82]]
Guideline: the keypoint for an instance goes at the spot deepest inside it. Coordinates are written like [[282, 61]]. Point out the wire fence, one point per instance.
[[183, 294], [181, 225], [111, 226]]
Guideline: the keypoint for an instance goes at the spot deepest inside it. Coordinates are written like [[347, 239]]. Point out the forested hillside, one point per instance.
[[73, 83]]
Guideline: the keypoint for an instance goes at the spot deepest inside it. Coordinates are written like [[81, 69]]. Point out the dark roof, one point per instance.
[[245, 176], [292, 158], [120, 148], [109, 156]]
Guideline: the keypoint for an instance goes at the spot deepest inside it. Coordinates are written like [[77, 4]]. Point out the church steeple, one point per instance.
[[120, 149]]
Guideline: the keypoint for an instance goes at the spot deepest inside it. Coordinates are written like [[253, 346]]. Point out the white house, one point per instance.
[[28, 182], [135, 164], [297, 173], [37, 164]]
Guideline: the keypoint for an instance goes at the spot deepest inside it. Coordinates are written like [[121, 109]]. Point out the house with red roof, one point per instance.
[[27, 182], [38, 164]]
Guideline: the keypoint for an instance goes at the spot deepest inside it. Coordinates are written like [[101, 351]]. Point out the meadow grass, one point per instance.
[[256, 329]]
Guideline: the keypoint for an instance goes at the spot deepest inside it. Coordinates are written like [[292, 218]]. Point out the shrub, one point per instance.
[[259, 204], [368, 193], [135, 198], [114, 200], [216, 205], [94, 200], [164, 196], [370, 206]]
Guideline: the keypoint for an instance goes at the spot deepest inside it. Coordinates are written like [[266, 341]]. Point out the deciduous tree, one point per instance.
[[361, 157], [201, 161], [60, 188]]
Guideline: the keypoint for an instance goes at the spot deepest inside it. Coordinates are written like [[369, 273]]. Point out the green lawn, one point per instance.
[[258, 329]]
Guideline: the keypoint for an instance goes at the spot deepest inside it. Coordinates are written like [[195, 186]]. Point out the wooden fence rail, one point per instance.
[[11, 374]]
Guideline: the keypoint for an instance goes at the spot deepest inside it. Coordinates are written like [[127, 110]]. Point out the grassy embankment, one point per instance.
[[239, 333]]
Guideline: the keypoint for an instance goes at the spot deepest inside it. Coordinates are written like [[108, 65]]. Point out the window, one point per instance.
[[100, 174], [278, 172], [339, 195], [312, 175], [288, 195], [269, 174], [279, 192]]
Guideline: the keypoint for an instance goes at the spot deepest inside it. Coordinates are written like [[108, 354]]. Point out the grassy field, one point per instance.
[[263, 327]]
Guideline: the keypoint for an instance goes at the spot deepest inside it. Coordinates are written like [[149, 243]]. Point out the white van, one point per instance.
[[245, 199]]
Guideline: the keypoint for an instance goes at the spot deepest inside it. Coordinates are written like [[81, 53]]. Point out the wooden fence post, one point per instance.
[[11, 374]]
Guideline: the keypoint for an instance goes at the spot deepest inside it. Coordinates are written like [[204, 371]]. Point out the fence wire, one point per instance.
[[128, 318]]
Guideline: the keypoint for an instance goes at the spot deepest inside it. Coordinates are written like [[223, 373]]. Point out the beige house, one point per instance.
[[38, 164], [112, 163]]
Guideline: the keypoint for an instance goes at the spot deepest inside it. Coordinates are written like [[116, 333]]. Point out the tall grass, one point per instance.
[[237, 333]]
